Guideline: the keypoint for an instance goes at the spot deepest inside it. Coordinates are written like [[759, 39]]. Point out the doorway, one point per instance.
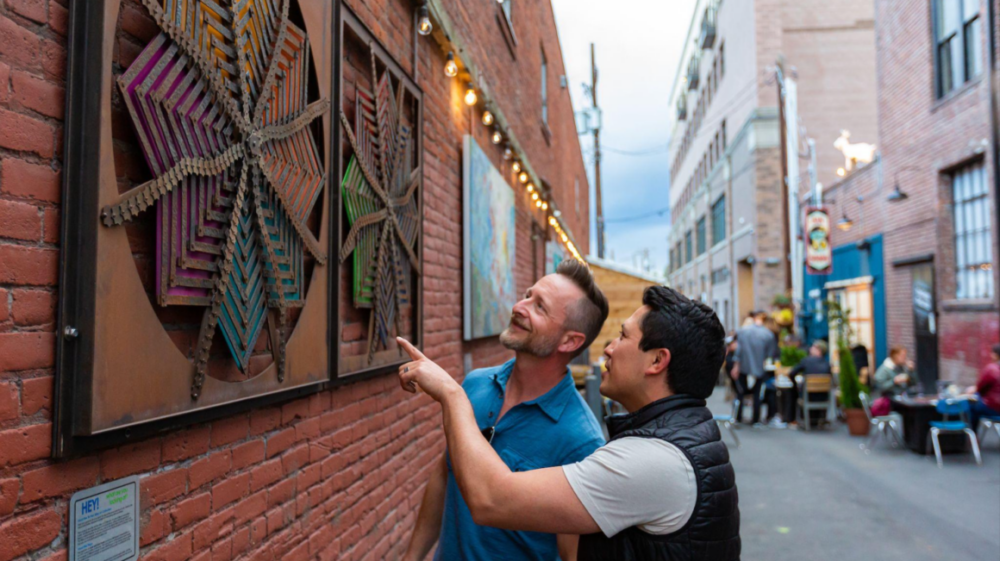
[[745, 292], [925, 326]]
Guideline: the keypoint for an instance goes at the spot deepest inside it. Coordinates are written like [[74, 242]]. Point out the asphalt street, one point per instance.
[[817, 496]]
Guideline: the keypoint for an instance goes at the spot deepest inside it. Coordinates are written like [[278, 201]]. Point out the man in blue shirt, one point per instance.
[[530, 411]]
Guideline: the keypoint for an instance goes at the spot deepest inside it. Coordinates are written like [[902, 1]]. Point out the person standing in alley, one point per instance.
[[756, 345], [987, 388]]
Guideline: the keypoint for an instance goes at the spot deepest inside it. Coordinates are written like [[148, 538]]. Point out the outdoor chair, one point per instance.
[[813, 384], [727, 421], [884, 425], [987, 424], [949, 408]]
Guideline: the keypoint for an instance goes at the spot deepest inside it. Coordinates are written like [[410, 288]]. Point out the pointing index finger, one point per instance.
[[414, 353]]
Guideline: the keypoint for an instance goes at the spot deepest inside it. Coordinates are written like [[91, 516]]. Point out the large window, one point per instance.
[[702, 236], [958, 43], [973, 240], [719, 220], [545, 89], [687, 247]]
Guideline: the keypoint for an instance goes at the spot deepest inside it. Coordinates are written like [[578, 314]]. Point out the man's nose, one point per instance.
[[519, 308]]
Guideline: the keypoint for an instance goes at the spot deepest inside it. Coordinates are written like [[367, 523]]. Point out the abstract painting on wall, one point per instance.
[[489, 222]]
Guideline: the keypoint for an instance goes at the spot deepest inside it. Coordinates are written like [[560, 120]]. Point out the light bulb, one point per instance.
[[497, 137], [552, 221], [545, 206], [565, 238], [424, 25], [523, 178], [538, 204], [450, 67], [470, 95], [534, 197], [508, 153], [516, 166], [487, 118], [531, 187]]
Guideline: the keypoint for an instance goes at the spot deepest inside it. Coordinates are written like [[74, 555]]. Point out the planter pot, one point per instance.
[[857, 422]]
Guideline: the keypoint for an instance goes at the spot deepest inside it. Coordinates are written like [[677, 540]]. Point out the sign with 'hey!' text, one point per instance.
[[104, 522]]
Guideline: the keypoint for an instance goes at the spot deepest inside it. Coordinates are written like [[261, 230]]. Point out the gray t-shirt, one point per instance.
[[634, 481], [754, 345]]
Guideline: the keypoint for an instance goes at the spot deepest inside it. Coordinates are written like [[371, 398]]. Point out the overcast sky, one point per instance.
[[638, 44]]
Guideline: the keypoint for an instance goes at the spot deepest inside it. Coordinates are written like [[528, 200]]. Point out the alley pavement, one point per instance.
[[817, 496]]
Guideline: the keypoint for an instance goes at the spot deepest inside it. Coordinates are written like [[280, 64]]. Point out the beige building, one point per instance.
[[726, 243]]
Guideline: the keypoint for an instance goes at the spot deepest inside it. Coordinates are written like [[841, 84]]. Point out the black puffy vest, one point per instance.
[[713, 532]]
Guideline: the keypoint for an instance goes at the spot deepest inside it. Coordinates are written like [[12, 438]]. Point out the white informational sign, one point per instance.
[[104, 522]]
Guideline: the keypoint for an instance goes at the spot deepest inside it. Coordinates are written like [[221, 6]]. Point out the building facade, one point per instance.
[[932, 199], [727, 244], [338, 474]]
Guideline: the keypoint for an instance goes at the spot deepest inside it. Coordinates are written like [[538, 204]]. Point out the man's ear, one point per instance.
[[571, 342], [661, 360]]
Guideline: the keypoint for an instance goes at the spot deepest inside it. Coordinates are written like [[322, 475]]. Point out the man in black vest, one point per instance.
[[662, 488]]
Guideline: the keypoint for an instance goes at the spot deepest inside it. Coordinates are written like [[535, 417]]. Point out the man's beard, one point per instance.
[[531, 344]]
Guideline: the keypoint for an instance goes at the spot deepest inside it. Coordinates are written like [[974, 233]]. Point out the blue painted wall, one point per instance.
[[850, 262]]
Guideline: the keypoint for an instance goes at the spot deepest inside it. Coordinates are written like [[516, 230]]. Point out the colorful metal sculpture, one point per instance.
[[219, 103], [381, 202]]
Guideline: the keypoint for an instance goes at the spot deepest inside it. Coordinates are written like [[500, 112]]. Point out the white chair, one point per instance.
[[726, 421], [884, 425], [987, 424], [815, 384]]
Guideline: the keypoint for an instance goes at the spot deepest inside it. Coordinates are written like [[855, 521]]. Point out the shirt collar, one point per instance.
[[552, 402]]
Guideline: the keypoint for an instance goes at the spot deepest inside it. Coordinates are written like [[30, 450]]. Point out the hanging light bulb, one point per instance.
[[497, 136], [565, 238], [538, 204], [552, 221], [531, 187], [534, 197], [450, 67], [507, 153], [470, 94], [487, 118], [516, 166], [523, 177], [424, 25], [545, 205]]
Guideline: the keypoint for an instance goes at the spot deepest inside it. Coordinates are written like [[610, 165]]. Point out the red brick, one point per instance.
[[28, 533], [22, 351], [53, 60], [137, 23], [19, 47], [34, 307], [241, 541], [58, 18], [177, 549], [161, 487], [281, 492], [265, 474], [4, 83], [154, 527], [26, 180], [230, 490], [215, 527], [130, 459], [222, 550], [37, 395], [247, 454], [38, 95], [8, 401], [298, 409], [186, 444], [211, 468], [191, 510], [307, 429], [26, 134], [51, 226], [9, 488], [20, 221], [264, 420], [250, 507], [230, 430], [31, 9], [59, 479], [25, 444], [4, 305], [295, 458], [280, 441], [57, 556], [27, 266]]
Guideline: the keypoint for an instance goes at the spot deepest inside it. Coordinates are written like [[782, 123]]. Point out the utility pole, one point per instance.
[[597, 157]]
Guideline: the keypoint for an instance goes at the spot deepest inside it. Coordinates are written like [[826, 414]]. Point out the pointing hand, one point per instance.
[[422, 374]]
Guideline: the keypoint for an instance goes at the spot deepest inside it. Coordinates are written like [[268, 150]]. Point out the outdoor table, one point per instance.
[[917, 413]]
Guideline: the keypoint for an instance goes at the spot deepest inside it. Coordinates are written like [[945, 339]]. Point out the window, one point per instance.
[[973, 243], [719, 220], [723, 137], [958, 43], [700, 227], [545, 89], [687, 247], [722, 60]]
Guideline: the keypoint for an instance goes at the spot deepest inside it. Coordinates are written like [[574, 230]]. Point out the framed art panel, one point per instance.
[[198, 213], [489, 227]]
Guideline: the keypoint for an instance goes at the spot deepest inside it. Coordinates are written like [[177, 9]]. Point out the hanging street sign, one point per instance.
[[819, 254]]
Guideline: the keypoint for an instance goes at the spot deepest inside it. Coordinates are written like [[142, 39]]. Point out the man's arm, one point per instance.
[[428, 526], [568, 545], [539, 500]]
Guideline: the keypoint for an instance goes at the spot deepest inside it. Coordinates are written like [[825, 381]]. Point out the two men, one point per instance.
[[663, 488], [530, 411]]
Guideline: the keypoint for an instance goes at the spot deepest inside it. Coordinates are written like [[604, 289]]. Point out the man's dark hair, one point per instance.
[[691, 331], [586, 315]]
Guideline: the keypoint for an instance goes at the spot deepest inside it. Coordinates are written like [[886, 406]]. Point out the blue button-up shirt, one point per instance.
[[556, 429]]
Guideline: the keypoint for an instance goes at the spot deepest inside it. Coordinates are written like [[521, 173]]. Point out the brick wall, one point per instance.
[[337, 475]]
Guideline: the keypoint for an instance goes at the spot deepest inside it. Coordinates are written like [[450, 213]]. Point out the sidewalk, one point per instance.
[[817, 496]]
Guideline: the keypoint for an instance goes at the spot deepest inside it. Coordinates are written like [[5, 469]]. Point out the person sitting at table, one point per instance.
[[988, 388], [814, 363], [895, 375]]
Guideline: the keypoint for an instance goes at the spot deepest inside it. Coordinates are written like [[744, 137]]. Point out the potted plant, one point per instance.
[[850, 386]]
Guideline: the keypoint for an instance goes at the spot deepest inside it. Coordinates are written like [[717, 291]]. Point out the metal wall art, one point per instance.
[[206, 284]]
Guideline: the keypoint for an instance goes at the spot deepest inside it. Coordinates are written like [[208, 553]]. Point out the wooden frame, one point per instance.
[[98, 402]]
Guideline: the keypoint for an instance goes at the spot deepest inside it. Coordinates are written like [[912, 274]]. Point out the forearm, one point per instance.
[[428, 526]]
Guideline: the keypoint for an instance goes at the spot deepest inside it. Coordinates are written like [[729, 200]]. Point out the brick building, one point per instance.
[[725, 190], [338, 474], [938, 135]]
